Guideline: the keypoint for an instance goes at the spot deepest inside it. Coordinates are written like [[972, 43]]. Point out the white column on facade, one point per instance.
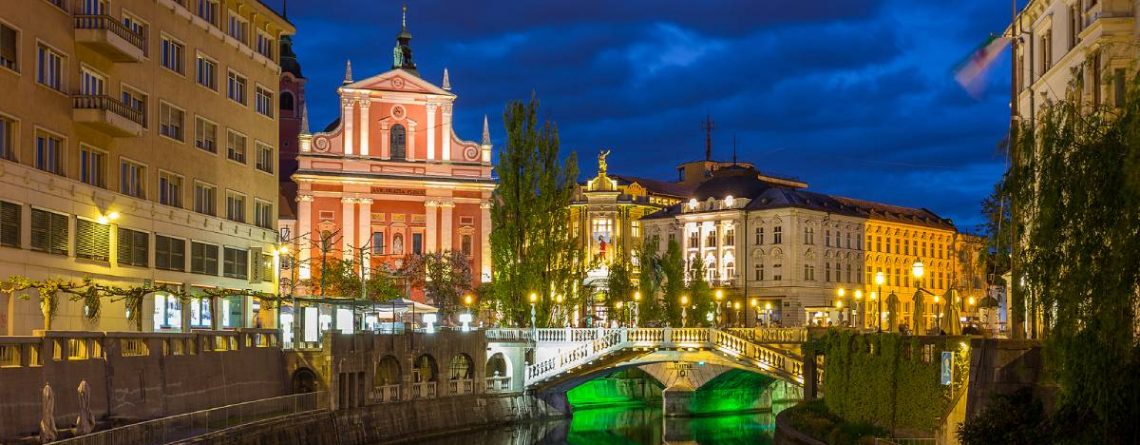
[[445, 242], [431, 109], [385, 139], [347, 223], [304, 234], [365, 128], [364, 230], [411, 140], [349, 116], [430, 230], [446, 133], [485, 241]]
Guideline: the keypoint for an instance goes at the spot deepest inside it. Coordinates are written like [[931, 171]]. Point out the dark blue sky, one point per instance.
[[856, 97]]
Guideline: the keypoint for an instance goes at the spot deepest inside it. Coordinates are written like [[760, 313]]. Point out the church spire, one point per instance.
[[402, 53], [305, 119], [486, 131], [446, 80], [348, 72]]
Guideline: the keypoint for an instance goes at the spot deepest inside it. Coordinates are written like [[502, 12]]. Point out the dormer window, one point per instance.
[[398, 142]]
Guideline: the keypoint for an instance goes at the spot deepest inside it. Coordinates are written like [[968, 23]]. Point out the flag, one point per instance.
[[971, 72]]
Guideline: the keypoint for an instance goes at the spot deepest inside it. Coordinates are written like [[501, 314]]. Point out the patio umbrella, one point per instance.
[[916, 316], [48, 431], [86, 421], [892, 312], [952, 316]]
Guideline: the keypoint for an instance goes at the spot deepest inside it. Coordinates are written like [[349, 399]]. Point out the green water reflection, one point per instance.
[[626, 425]]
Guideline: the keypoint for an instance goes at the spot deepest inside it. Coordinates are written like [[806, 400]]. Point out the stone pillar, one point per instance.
[[811, 377], [347, 232], [431, 108], [411, 141], [485, 241], [446, 133], [365, 128], [430, 230], [348, 116], [385, 139], [364, 229], [304, 236], [445, 241]]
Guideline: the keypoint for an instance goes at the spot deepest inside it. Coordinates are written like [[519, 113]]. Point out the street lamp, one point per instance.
[[618, 305], [840, 293], [684, 309], [937, 313], [467, 318], [754, 304], [533, 301], [859, 312], [559, 309], [737, 305], [879, 279], [636, 307], [768, 309], [719, 297]]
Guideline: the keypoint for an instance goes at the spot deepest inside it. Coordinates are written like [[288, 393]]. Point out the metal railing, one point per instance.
[[185, 426], [107, 103], [772, 335], [106, 22]]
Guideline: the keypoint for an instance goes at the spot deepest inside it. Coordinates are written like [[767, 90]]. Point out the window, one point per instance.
[[235, 146], [267, 268], [1046, 50], [49, 67], [49, 153], [878, 244], [759, 272], [265, 158], [137, 101], [759, 235], [134, 248], [239, 28], [710, 239], [205, 135], [49, 232], [730, 237], [465, 245], [1119, 87], [694, 240], [203, 258], [263, 214], [265, 45], [9, 43], [235, 264], [1074, 26], [205, 199], [235, 207], [92, 240], [286, 101], [135, 25], [848, 272], [91, 83], [263, 102], [809, 272], [378, 243], [170, 189], [93, 7], [417, 243], [827, 273], [235, 87], [169, 253], [809, 235], [208, 11], [207, 73], [7, 139], [777, 272], [170, 121], [10, 214], [93, 166], [132, 179], [172, 54], [827, 238], [397, 141], [777, 235]]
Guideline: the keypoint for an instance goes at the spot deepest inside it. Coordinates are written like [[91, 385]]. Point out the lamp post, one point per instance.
[[839, 305], [879, 279], [737, 305], [768, 309], [684, 309], [719, 297], [937, 313], [859, 318], [755, 305], [840, 293], [636, 308], [467, 318], [559, 310], [533, 301], [620, 306], [918, 270]]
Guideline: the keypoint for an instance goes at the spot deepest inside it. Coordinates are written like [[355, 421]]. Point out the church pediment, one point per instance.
[[398, 81]]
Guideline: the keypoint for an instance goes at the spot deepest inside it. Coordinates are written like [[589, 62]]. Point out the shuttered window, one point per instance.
[[49, 232], [169, 253], [203, 258], [10, 224], [92, 240], [134, 247], [236, 263], [266, 268]]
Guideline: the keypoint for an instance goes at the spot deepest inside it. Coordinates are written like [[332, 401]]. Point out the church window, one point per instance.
[[398, 142], [286, 101], [378, 243], [417, 243]]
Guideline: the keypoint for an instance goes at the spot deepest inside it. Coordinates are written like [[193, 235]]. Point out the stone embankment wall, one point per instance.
[[402, 421], [134, 376]]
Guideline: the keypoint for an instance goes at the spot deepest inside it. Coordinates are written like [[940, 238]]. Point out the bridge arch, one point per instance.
[[426, 369], [305, 380], [461, 367], [387, 371], [498, 365]]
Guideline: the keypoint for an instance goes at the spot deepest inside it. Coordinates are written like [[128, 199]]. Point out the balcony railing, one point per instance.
[[108, 103], [108, 23]]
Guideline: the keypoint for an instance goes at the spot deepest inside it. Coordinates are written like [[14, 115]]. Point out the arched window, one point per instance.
[[287, 101], [398, 141]]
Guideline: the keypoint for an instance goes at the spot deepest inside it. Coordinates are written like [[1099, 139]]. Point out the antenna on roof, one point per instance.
[[708, 127]]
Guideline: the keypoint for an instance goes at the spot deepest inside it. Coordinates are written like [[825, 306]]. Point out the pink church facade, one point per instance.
[[391, 178]]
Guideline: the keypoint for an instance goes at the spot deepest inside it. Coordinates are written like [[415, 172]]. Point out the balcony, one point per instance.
[[109, 37], [107, 114]]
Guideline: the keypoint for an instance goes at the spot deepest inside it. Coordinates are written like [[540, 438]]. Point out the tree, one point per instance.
[[673, 271], [445, 277], [532, 246], [700, 295], [649, 282], [996, 230], [619, 288]]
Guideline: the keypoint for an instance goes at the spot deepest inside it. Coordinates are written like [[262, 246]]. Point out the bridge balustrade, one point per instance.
[[423, 390], [461, 386], [388, 393], [496, 384], [772, 335]]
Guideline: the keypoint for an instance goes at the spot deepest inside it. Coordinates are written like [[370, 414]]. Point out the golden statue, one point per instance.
[[602, 166]]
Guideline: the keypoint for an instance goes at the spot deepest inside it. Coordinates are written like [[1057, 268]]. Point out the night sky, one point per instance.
[[855, 97]]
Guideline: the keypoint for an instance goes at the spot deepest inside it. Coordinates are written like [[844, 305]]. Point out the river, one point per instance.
[[624, 425]]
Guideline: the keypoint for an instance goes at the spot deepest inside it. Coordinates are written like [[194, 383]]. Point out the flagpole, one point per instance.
[[1015, 315]]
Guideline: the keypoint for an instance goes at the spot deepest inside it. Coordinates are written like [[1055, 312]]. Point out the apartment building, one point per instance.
[[139, 145]]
